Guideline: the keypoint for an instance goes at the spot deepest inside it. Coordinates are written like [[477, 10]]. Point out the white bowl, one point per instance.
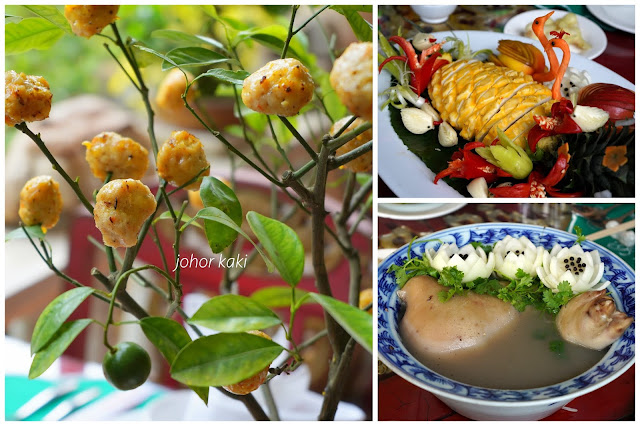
[[495, 404], [434, 14]]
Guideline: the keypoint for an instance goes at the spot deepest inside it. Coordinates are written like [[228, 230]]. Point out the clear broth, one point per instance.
[[520, 358]]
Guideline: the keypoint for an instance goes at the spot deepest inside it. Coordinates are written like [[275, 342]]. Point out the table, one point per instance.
[[401, 400], [619, 55]]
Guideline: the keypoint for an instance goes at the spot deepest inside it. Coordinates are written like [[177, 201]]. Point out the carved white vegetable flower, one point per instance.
[[583, 270], [473, 262], [513, 254]]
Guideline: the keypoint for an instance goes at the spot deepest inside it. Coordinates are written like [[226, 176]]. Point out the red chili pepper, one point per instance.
[[473, 145], [560, 34], [557, 171], [559, 123], [467, 165], [519, 190], [389, 59], [424, 68]]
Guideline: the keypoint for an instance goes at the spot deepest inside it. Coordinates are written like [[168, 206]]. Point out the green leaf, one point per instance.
[[361, 28], [169, 337], [215, 193], [330, 99], [233, 77], [34, 231], [192, 57], [223, 359], [274, 37], [60, 341], [214, 214], [166, 334], [55, 314], [30, 33], [283, 245], [185, 218], [181, 37], [53, 15], [232, 313], [143, 58], [12, 18], [358, 323], [158, 54], [210, 10], [277, 296]]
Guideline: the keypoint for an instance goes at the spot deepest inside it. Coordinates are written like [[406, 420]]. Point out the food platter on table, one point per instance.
[[526, 404], [405, 173]]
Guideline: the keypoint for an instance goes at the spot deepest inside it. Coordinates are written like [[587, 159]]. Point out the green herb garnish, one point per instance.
[[554, 301], [485, 247], [581, 237], [557, 347], [451, 277]]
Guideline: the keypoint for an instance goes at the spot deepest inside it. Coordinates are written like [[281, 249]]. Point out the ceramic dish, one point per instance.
[[494, 404], [414, 211], [591, 32], [620, 17], [396, 163]]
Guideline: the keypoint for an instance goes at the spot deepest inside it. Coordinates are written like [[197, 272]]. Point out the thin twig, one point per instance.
[[311, 19], [271, 404], [351, 155], [290, 33], [346, 137], [56, 166], [299, 137], [278, 146]]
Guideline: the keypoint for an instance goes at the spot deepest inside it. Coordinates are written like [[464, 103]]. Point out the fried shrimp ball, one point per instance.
[[87, 21], [252, 383], [169, 97], [181, 158], [352, 79], [122, 206], [26, 98], [282, 87], [40, 202], [362, 163], [123, 157]]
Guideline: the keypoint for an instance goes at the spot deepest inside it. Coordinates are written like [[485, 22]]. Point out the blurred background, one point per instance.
[[92, 95]]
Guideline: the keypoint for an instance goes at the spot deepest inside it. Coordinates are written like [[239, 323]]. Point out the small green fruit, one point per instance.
[[127, 367]]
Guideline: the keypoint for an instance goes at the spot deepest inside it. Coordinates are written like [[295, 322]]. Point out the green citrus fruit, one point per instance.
[[127, 367]]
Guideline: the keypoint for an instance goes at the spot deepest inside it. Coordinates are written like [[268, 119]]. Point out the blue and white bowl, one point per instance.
[[495, 404]]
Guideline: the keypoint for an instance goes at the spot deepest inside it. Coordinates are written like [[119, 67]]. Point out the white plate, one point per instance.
[[413, 211], [403, 172], [591, 32], [620, 17]]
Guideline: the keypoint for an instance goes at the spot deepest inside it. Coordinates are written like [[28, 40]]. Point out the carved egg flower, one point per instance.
[[583, 270], [517, 253], [473, 262]]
